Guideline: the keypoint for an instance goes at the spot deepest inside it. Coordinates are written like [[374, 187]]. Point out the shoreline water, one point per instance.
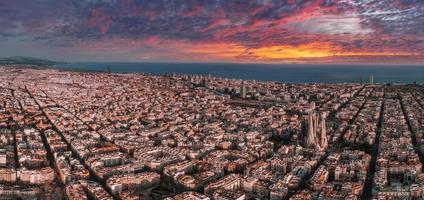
[[290, 73]]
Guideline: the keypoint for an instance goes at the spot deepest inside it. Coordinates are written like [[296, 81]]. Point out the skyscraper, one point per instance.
[[371, 80], [243, 90]]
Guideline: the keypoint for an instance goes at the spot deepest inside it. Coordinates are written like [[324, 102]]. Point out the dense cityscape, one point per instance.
[[97, 135]]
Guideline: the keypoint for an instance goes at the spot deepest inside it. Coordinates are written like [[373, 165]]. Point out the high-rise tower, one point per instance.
[[243, 90]]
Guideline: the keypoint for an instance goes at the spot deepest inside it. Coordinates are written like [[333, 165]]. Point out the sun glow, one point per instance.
[[235, 52]]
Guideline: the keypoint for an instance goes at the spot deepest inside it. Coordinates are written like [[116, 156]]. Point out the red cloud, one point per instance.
[[100, 19]]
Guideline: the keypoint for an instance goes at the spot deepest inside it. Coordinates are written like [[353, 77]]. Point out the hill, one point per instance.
[[20, 60]]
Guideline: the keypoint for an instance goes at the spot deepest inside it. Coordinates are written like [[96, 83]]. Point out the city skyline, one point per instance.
[[211, 99], [113, 136], [262, 31]]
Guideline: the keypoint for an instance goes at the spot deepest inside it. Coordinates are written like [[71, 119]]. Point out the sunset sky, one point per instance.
[[258, 31]]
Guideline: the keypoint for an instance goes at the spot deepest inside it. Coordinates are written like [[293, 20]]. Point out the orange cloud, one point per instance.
[[312, 50], [215, 51], [376, 54], [236, 52]]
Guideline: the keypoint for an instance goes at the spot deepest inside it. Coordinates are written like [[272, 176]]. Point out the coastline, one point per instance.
[[293, 73]]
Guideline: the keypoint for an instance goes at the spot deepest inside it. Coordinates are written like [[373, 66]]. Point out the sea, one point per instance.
[[288, 73]]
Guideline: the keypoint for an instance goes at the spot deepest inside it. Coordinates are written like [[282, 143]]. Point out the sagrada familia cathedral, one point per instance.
[[316, 129]]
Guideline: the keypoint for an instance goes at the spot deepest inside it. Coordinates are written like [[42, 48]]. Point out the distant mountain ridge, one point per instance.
[[22, 60]]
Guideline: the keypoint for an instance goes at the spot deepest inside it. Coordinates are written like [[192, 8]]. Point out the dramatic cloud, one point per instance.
[[216, 30]]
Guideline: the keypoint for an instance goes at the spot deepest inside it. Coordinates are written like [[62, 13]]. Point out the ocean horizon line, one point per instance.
[[282, 73]]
